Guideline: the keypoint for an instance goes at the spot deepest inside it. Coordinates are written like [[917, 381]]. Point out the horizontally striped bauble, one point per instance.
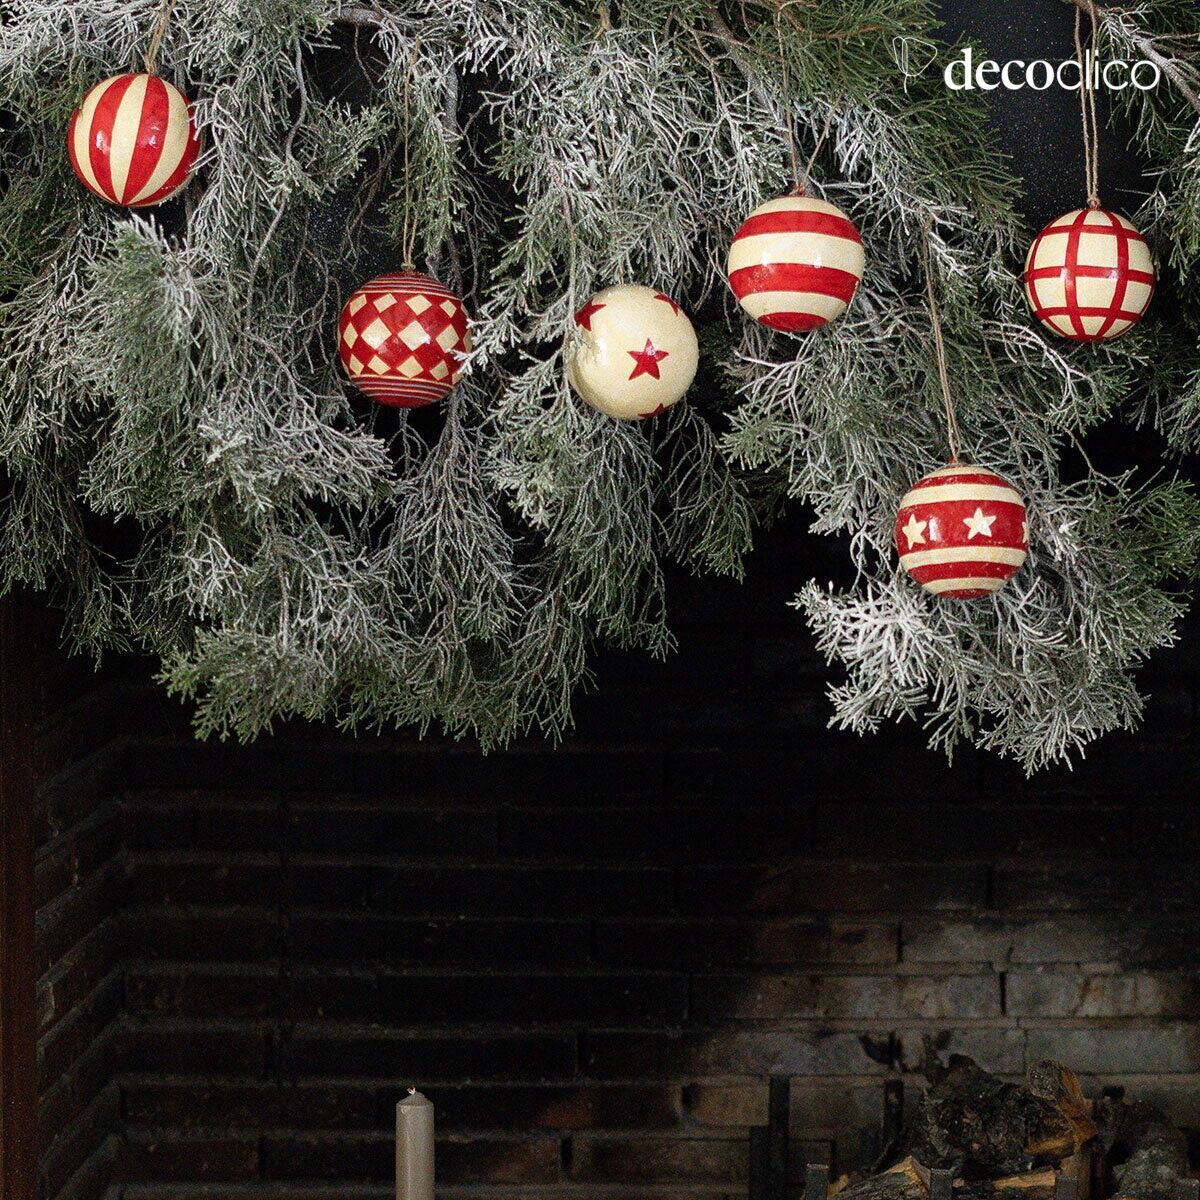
[[633, 352], [401, 338], [1089, 275], [961, 532], [132, 140], [795, 263]]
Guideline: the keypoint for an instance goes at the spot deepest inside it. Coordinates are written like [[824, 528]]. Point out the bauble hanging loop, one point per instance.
[[401, 338], [1089, 275], [132, 140], [634, 352], [961, 532], [796, 262]]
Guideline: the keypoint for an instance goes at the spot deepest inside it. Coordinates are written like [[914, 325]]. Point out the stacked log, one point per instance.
[[1016, 1141]]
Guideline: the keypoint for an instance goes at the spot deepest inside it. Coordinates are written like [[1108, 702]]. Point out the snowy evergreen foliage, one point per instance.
[[191, 473]]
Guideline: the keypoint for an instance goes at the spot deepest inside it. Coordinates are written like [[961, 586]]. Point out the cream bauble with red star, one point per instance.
[[962, 532], [634, 352]]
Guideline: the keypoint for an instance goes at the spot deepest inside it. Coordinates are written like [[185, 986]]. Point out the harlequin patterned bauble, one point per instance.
[[796, 263], [961, 532], [401, 338], [132, 140], [635, 353], [1089, 275]]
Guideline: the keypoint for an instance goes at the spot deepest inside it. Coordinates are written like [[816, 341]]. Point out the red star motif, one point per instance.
[[667, 300], [647, 360], [662, 408], [583, 318]]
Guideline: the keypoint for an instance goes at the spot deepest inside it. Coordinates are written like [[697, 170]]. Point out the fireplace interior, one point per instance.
[[703, 939], [606, 962]]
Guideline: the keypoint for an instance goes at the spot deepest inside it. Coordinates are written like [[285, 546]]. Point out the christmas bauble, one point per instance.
[[132, 140], [401, 338], [795, 263], [961, 532], [1089, 275], [636, 353]]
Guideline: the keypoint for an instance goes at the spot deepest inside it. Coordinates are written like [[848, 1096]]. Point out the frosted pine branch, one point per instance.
[[286, 549]]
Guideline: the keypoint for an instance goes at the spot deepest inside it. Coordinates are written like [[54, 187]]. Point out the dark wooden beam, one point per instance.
[[760, 1164], [18, 970], [779, 1101]]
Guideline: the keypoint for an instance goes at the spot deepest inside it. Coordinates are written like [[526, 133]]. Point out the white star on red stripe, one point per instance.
[[979, 525], [915, 531]]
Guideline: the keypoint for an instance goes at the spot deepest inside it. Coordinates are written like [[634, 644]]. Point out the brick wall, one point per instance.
[[78, 879], [592, 957]]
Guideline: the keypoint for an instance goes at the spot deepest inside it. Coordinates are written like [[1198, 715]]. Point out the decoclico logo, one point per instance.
[[963, 74]]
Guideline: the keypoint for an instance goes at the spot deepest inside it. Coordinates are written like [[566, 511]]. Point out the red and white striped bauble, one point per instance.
[[1089, 275], [796, 263], [401, 338], [961, 532], [132, 140]]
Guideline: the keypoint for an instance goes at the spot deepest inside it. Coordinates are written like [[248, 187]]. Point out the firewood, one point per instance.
[[982, 1127], [1056, 1085], [907, 1180], [1030, 1185], [1154, 1151], [1009, 1141], [914, 1172]]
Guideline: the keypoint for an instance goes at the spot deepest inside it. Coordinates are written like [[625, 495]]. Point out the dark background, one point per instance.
[[1042, 131], [592, 956]]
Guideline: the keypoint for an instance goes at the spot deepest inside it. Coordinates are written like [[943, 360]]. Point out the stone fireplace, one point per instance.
[[593, 958]]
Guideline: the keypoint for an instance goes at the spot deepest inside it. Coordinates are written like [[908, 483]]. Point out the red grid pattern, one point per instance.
[[1071, 271]]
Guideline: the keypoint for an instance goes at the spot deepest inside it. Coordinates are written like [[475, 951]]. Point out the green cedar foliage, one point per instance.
[[190, 472]]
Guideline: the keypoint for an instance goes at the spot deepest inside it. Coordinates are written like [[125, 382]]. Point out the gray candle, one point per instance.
[[414, 1147]]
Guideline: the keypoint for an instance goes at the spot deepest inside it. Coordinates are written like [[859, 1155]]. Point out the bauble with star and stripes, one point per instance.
[[402, 338], [1089, 275], [133, 141], [633, 352], [961, 532], [796, 263]]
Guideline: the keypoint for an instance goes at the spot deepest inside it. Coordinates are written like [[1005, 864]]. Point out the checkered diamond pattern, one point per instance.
[[401, 338]]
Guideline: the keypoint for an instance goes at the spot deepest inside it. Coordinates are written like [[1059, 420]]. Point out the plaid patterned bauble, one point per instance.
[[402, 337], [1089, 275]]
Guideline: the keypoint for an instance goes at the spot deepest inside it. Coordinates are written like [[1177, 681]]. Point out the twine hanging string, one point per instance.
[[157, 33], [802, 184], [1087, 106], [785, 112], [953, 433], [408, 233], [801, 176]]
